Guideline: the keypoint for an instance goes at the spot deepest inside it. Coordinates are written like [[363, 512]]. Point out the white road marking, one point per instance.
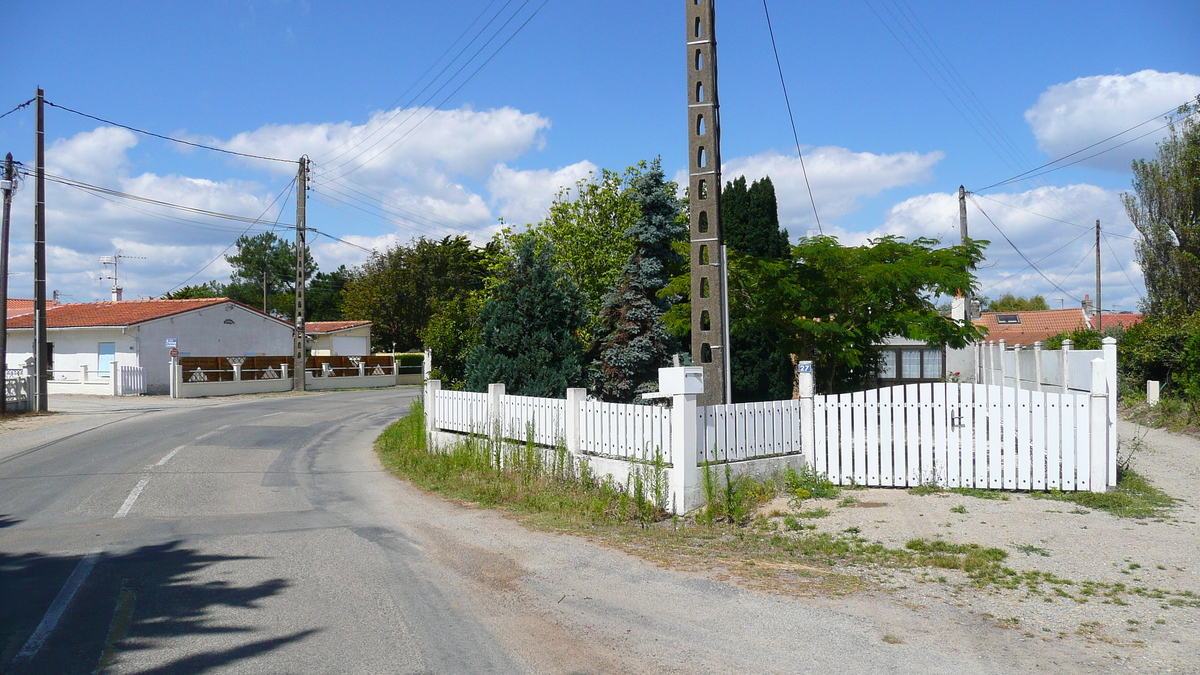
[[211, 433], [133, 495], [59, 606], [170, 454]]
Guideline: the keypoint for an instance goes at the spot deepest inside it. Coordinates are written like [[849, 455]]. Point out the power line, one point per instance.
[[418, 80], [1023, 256], [287, 190], [1043, 258], [168, 138], [23, 105], [448, 96], [1104, 235], [1026, 174], [792, 118], [1042, 215]]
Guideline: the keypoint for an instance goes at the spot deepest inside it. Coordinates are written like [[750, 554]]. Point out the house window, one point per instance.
[[887, 365], [931, 364], [911, 364]]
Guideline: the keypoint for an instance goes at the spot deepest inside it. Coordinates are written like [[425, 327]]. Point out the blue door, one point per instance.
[[108, 353]]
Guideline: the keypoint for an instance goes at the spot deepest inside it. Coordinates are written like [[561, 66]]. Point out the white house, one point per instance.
[[339, 338], [142, 333]]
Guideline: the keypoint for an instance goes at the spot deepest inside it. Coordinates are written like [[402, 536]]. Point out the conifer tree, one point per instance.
[[632, 343], [528, 328], [750, 225]]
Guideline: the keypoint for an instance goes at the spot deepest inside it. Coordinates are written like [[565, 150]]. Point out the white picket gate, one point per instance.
[[624, 431], [957, 435], [133, 380]]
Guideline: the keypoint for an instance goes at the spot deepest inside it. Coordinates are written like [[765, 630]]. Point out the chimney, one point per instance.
[[116, 293], [1087, 306], [958, 309]]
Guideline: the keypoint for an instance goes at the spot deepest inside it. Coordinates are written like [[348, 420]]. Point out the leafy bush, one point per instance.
[[808, 484], [1167, 350]]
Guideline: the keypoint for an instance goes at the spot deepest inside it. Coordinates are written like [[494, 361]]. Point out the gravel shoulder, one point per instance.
[[1136, 629]]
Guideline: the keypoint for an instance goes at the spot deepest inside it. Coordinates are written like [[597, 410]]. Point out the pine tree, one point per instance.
[[527, 339], [632, 343], [750, 225]]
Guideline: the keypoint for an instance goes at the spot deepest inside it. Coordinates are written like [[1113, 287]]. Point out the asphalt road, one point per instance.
[[261, 536]]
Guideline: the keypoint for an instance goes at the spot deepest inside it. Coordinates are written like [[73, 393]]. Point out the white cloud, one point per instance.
[[402, 142], [1078, 113], [522, 197], [1064, 252], [840, 178]]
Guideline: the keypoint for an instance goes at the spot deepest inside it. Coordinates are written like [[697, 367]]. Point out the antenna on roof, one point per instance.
[[115, 260]]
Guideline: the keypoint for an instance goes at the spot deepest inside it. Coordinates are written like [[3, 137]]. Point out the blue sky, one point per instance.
[[586, 85]]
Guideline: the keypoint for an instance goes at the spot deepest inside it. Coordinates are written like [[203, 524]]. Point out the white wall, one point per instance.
[[75, 347], [205, 333]]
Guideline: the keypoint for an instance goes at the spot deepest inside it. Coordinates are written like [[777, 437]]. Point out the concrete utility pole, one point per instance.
[[963, 236], [9, 186], [299, 353], [40, 350], [709, 320], [1099, 312]]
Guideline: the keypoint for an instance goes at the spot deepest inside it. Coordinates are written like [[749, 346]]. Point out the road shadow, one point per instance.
[[148, 598], [6, 521]]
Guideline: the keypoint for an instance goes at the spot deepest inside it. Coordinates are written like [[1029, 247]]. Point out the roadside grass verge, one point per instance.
[[1171, 413], [1134, 497], [729, 536]]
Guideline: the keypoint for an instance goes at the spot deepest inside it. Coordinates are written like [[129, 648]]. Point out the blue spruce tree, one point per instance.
[[632, 343], [527, 339]]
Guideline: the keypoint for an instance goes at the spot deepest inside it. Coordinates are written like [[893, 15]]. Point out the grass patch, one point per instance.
[[1134, 497], [925, 490], [808, 484], [979, 493], [958, 509]]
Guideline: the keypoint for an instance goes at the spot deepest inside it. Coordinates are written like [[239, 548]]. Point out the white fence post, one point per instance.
[[114, 375], [575, 398], [1100, 450], [1110, 376], [426, 364], [1066, 365], [83, 373], [362, 368], [1037, 363], [495, 394], [432, 387], [685, 463], [283, 373], [804, 383], [174, 381], [1003, 368], [237, 372]]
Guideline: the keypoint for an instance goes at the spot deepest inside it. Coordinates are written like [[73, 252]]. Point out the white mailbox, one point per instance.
[[681, 380]]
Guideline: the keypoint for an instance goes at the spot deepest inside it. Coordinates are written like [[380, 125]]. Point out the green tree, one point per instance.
[[631, 342], [398, 288], [528, 328], [452, 332], [835, 304], [761, 370], [1165, 208], [268, 263], [1010, 303], [323, 297], [209, 289]]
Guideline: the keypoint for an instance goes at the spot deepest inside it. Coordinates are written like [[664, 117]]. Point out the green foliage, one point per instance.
[[399, 288], [808, 484], [761, 370], [528, 329], [1010, 303], [266, 263], [1085, 338], [750, 219], [323, 297], [452, 332], [631, 341], [211, 289], [1166, 349], [732, 500], [1134, 497], [835, 304], [1165, 208]]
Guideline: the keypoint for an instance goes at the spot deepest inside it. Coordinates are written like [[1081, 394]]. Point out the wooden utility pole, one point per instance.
[[299, 353], [8, 185], [40, 352], [1099, 312], [709, 319]]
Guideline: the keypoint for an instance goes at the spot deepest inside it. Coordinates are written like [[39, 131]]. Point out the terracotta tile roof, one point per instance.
[[1124, 320], [321, 327], [123, 313], [1029, 327], [19, 306]]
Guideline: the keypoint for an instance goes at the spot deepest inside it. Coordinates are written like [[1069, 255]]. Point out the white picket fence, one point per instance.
[[133, 380], [950, 434]]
